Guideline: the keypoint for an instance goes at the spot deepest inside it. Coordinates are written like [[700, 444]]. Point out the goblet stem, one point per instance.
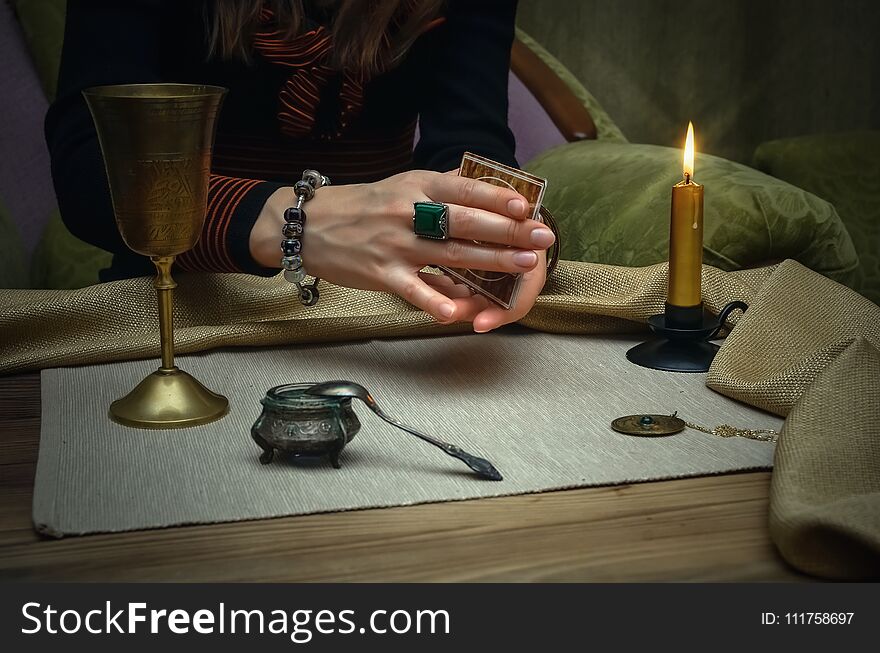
[[165, 286]]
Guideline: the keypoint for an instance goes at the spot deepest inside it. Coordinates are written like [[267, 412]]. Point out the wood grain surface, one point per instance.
[[700, 529]]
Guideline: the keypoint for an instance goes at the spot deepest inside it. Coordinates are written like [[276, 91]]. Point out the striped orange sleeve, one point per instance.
[[233, 207]]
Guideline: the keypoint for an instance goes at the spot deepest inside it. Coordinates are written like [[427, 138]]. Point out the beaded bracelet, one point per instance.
[[294, 226]]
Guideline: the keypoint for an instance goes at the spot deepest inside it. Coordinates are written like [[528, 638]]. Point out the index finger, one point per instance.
[[477, 194]]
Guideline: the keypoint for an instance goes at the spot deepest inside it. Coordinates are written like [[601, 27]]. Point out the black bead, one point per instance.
[[309, 295], [294, 214], [291, 247], [292, 229]]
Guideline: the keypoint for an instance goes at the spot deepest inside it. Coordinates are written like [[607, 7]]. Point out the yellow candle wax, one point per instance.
[[686, 235]]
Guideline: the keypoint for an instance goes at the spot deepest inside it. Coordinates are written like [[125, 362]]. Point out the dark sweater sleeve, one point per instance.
[[111, 42], [463, 103]]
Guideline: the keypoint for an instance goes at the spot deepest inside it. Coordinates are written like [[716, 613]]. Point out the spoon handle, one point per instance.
[[480, 465], [408, 429]]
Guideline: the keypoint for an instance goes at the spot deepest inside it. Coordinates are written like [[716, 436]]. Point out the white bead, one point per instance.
[[294, 262]]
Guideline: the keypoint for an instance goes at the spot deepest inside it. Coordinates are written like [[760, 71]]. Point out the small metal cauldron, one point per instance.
[[304, 425]]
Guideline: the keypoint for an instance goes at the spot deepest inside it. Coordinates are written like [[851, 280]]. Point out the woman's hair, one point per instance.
[[368, 35]]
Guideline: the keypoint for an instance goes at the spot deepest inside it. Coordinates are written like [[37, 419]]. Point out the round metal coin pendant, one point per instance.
[[648, 425]]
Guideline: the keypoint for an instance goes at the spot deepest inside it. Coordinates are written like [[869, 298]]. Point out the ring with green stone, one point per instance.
[[431, 220]]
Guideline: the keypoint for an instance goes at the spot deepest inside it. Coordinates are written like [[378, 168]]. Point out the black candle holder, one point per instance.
[[684, 343]]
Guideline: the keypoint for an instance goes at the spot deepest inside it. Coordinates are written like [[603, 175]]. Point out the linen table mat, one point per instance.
[[799, 324], [539, 406]]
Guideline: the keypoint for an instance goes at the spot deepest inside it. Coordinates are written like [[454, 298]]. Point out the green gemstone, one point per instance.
[[429, 220]]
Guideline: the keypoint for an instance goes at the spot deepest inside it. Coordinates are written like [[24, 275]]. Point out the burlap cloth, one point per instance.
[[807, 348]]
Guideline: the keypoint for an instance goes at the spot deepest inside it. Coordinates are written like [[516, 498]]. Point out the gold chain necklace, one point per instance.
[[659, 425], [728, 431]]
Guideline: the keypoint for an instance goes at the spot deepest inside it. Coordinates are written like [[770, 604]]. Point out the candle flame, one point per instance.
[[689, 153]]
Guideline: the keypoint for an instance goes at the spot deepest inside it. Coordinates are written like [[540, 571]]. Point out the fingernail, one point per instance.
[[542, 237], [516, 207], [446, 310], [525, 259]]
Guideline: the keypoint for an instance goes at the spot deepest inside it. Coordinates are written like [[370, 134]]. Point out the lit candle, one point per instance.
[[686, 235]]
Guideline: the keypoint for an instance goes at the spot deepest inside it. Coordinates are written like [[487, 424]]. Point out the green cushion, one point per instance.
[[612, 204], [845, 170], [13, 273], [60, 260], [63, 261], [42, 22]]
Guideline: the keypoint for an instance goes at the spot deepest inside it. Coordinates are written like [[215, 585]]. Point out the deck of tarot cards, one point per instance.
[[501, 287]]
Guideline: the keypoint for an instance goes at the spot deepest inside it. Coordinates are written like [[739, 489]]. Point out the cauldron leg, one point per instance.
[[268, 451], [340, 443], [333, 454]]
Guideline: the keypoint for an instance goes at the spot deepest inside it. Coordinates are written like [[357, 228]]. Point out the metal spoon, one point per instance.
[[481, 466]]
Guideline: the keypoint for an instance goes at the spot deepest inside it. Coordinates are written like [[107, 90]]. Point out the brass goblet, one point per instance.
[[157, 141]]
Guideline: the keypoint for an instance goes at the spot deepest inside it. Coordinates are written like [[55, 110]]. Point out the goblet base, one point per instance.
[[168, 399]]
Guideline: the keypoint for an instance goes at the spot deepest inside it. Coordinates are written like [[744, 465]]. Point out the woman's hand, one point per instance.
[[361, 236]]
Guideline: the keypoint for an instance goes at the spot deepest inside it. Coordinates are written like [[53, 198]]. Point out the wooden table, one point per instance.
[[701, 529]]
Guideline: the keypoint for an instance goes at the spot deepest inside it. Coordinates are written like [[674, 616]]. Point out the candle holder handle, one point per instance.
[[725, 313], [683, 345]]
